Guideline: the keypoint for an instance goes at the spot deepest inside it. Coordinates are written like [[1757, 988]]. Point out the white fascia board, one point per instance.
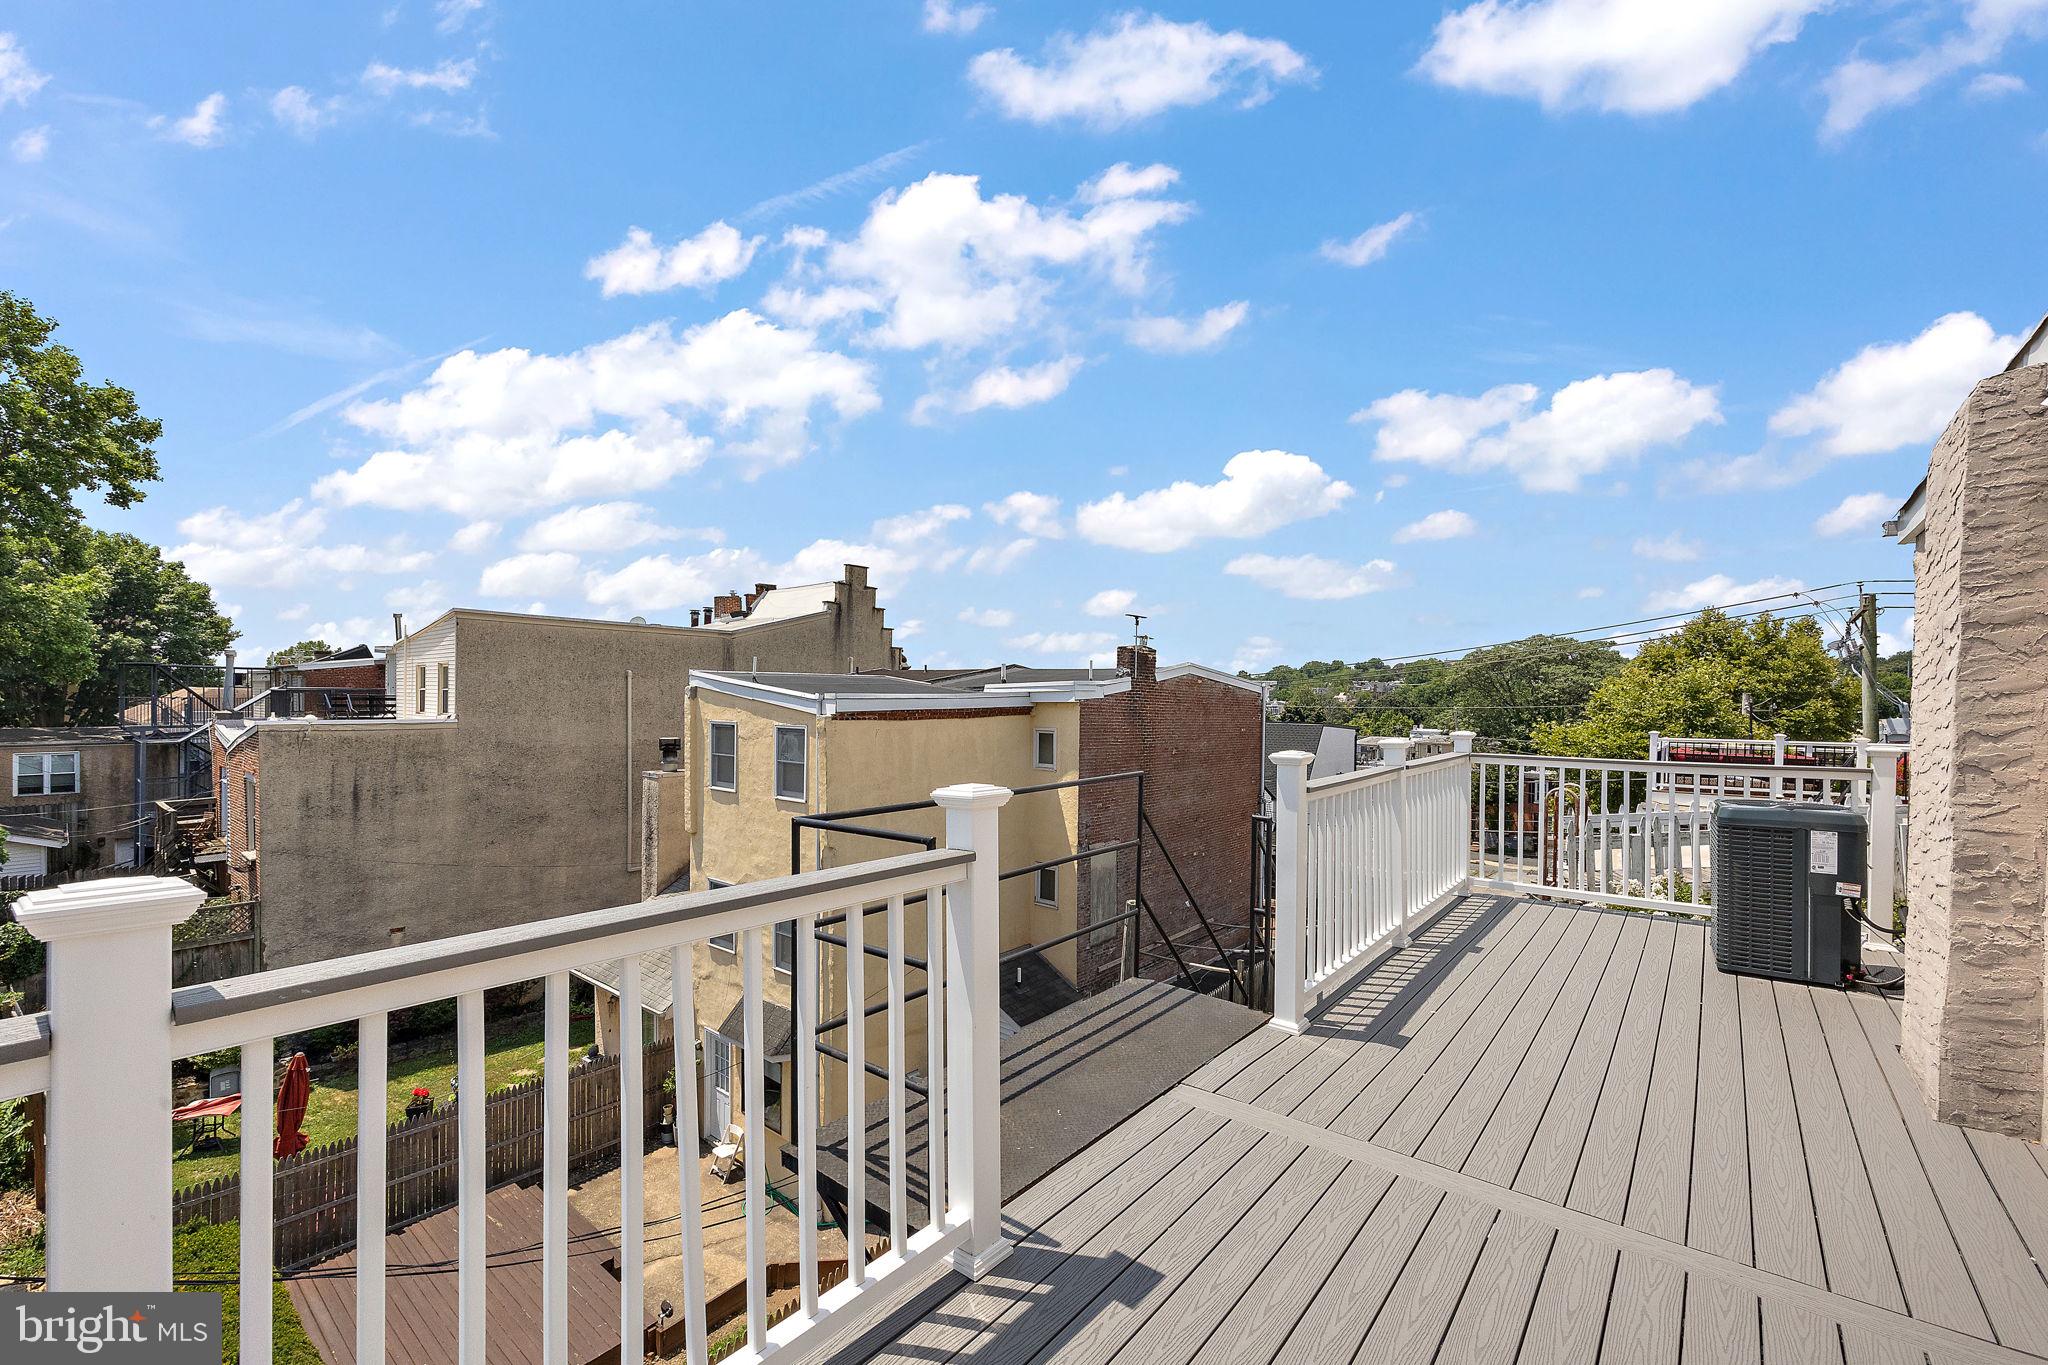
[[747, 689], [1911, 519], [836, 703], [1213, 675], [1040, 692], [15, 836]]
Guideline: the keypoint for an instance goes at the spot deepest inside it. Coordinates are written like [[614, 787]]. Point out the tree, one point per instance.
[[74, 600], [1504, 691], [1693, 683], [298, 653]]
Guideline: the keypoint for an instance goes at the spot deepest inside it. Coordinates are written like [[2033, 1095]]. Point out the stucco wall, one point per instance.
[[524, 806], [1973, 1018]]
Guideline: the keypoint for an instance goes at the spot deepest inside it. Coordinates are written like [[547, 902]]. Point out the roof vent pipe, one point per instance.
[[397, 625], [1003, 673]]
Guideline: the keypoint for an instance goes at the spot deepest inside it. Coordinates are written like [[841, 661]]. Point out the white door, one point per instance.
[[718, 1073]]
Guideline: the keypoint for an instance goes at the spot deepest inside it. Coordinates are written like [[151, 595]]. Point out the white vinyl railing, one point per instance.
[[1360, 857], [103, 1054]]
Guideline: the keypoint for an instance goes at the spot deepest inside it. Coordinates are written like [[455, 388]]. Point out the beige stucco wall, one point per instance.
[[1973, 1018], [524, 806]]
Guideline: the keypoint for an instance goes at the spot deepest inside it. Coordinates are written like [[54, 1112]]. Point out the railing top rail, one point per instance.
[[1357, 777], [24, 1037], [1662, 767], [294, 998]]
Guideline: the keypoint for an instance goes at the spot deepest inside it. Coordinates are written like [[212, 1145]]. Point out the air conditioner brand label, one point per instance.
[[1823, 852]]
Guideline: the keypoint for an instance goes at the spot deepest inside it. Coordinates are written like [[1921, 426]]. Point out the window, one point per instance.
[[248, 810], [45, 774], [771, 1097], [785, 947], [789, 762], [445, 693], [421, 706], [725, 757], [729, 943], [1047, 891], [1044, 749]]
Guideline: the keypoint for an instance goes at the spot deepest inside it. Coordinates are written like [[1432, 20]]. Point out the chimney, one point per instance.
[[760, 591], [727, 604], [694, 616], [227, 688], [1138, 660], [397, 626]]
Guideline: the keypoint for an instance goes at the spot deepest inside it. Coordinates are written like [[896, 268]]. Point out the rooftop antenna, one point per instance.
[[1137, 628]]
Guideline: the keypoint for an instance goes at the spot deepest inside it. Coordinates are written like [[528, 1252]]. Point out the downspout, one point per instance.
[[632, 785]]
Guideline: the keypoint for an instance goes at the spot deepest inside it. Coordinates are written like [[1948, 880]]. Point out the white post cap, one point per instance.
[[972, 796], [110, 905], [1291, 758], [1461, 740]]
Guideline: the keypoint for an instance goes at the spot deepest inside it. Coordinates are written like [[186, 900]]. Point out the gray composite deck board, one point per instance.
[[1543, 1134]]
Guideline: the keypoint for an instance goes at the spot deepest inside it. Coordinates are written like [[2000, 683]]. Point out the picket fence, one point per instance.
[[314, 1199]]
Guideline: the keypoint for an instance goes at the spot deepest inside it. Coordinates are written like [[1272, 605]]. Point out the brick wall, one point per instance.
[[1198, 743], [235, 765]]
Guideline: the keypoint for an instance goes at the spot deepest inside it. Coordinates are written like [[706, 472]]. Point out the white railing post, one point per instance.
[[1290, 885], [974, 1045], [1656, 753], [1883, 855], [1461, 743], [109, 1111], [1394, 754]]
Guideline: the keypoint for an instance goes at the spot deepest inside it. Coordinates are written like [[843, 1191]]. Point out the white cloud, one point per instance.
[[448, 77], [1994, 85], [639, 266], [354, 628], [473, 537], [421, 602], [525, 575], [1589, 594], [1313, 578], [1110, 602], [944, 266], [1717, 590], [656, 582], [1180, 336], [1892, 641], [1125, 181], [906, 630], [1860, 87], [1000, 558], [19, 79], [1133, 67], [1857, 514], [453, 14], [1035, 514], [31, 144], [237, 321], [1369, 245], [1589, 426], [1076, 642], [1261, 491], [1671, 549], [1003, 387], [514, 429], [299, 111], [224, 546], [298, 611], [1622, 56], [205, 126], [1448, 524], [596, 527], [943, 16], [992, 618], [1894, 394], [1255, 654]]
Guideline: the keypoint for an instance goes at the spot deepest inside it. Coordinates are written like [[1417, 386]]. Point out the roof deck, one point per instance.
[[1546, 1134]]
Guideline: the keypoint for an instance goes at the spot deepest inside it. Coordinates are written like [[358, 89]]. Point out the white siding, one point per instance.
[[24, 858], [428, 648]]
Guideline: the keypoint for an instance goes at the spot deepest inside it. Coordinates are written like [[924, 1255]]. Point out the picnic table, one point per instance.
[[208, 1117]]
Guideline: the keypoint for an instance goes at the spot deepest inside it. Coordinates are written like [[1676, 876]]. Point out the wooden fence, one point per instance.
[[315, 1191]]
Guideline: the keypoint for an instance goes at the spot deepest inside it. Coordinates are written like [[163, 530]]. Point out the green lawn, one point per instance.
[[512, 1054]]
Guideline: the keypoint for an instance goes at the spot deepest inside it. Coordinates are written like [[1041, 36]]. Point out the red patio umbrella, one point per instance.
[[291, 1107]]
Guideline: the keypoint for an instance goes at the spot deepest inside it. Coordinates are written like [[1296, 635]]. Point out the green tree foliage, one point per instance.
[[72, 599], [298, 653], [1692, 683]]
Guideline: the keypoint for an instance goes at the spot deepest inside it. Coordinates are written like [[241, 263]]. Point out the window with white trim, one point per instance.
[[789, 762], [729, 943], [420, 706], [785, 947], [724, 775], [1046, 889], [1044, 749], [248, 810], [46, 774], [447, 692]]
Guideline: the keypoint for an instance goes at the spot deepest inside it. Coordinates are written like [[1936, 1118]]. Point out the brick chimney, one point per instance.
[[1140, 661], [726, 606]]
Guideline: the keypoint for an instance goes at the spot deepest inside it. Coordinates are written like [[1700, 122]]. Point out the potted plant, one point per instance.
[[421, 1103]]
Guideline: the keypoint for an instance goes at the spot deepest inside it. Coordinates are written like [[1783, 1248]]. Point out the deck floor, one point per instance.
[[1544, 1134]]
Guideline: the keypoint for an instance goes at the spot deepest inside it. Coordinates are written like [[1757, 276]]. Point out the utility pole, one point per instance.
[[1867, 612]]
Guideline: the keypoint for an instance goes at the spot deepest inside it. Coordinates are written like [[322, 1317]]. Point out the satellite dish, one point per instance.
[[639, 621]]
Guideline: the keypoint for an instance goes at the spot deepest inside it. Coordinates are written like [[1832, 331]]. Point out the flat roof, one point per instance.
[[17, 736]]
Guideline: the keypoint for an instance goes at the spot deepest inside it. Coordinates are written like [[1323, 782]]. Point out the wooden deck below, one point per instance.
[[1544, 1134]]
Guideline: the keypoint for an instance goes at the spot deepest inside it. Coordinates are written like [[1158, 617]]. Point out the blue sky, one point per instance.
[[1311, 331]]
